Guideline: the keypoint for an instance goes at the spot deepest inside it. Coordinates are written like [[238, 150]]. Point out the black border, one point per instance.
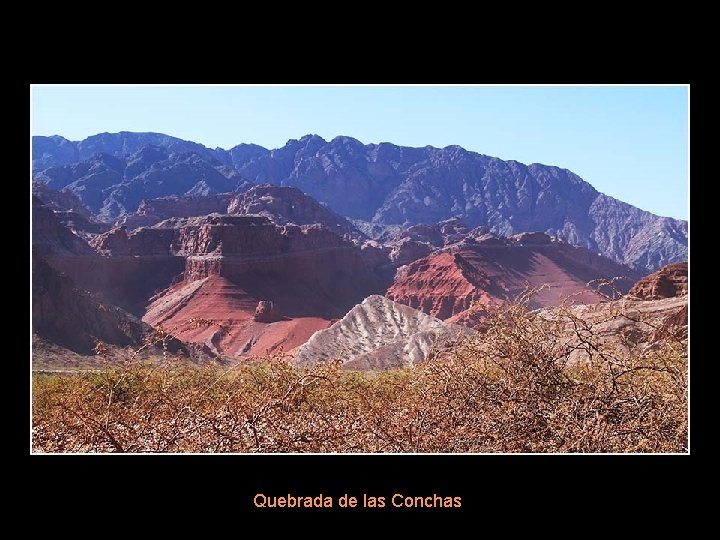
[[541, 486]]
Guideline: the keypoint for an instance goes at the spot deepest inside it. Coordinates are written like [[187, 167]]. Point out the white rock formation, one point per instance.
[[379, 334]]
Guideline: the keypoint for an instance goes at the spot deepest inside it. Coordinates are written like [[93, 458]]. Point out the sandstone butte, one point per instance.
[[220, 268]]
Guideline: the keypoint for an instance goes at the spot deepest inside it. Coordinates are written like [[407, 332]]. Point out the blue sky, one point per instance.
[[630, 142]]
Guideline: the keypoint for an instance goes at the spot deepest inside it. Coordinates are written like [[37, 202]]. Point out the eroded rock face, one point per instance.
[[153, 211], [379, 334], [59, 201], [420, 240], [270, 286], [51, 236], [238, 247], [217, 234], [267, 311], [287, 205], [75, 319], [668, 282], [438, 235], [281, 205], [673, 326], [451, 283], [629, 325], [68, 210], [532, 238], [407, 251]]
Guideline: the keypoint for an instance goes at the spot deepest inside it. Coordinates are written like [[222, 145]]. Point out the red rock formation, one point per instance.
[[673, 326], [118, 241], [406, 251], [449, 282], [420, 240], [442, 285], [128, 270], [231, 304], [287, 205], [282, 205], [68, 210], [75, 319], [309, 275], [137, 264], [427, 234], [668, 282], [267, 311], [127, 281], [59, 201], [154, 211], [220, 234], [50, 236]]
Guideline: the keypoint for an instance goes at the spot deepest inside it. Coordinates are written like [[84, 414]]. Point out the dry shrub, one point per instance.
[[517, 386], [534, 382]]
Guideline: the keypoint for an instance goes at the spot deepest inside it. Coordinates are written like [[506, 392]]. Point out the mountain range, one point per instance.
[[382, 188], [372, 254]]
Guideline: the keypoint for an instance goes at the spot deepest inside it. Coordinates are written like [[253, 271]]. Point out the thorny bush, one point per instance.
[[518, 385]]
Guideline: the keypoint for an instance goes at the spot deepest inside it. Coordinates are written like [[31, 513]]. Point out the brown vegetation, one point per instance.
[[516, 386]]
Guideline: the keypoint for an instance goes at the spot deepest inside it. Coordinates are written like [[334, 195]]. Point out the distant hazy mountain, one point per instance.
[[112, 186], [383, 184], [56, 150]]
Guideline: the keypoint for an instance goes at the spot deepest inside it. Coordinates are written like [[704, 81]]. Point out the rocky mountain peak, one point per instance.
[[383, 184]]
